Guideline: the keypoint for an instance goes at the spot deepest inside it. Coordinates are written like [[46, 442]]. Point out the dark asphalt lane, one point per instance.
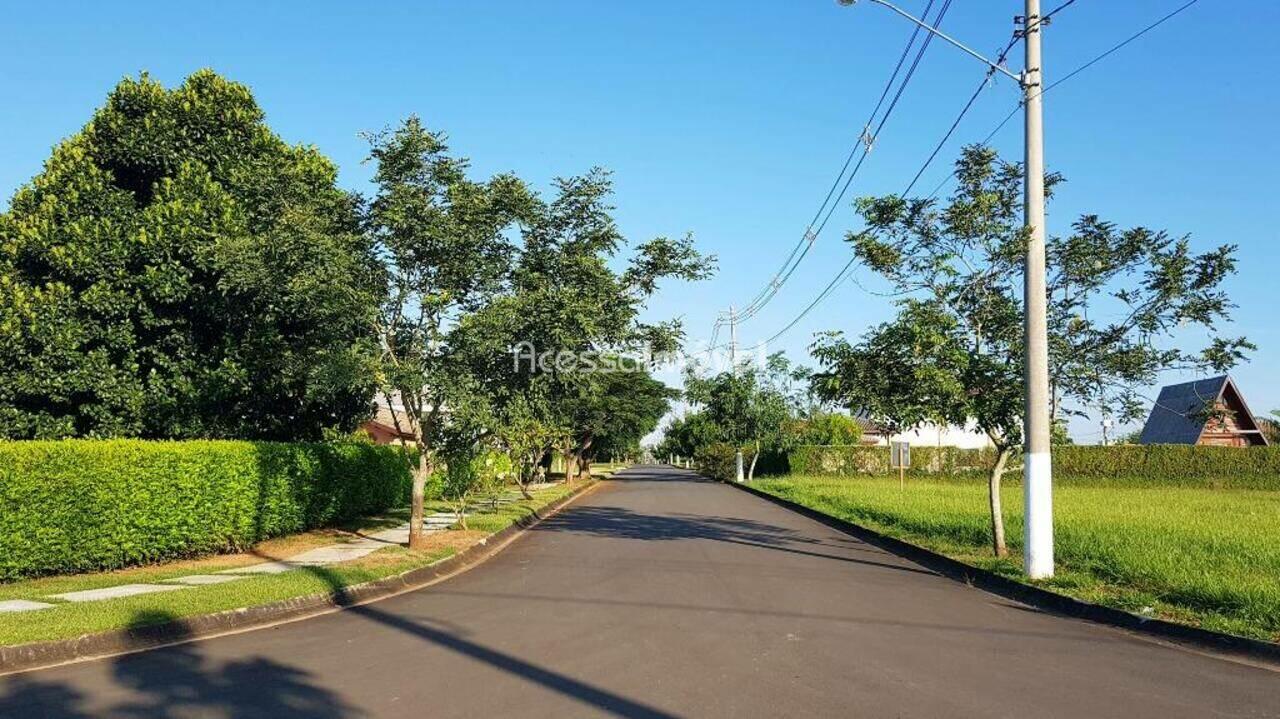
[[660, 595]]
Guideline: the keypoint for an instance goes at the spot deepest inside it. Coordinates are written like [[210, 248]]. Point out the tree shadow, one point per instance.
[[620, 523], [176, 681]]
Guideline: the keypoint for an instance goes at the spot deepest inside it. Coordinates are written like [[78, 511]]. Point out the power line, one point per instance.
[[864, 143], [1044, 19], [842, 274], [986, 79], [910, 73], [1070, 75]]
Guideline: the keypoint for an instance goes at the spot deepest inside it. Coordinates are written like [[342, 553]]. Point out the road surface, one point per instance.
[[660, 595]]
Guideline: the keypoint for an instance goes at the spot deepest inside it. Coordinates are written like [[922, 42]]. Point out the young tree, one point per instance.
[[176, 271], [442, 239], [954, 351]]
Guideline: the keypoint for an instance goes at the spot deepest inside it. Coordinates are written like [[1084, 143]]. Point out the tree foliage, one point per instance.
[[954, 351], [178, 270], [560, 343], [441, 238]]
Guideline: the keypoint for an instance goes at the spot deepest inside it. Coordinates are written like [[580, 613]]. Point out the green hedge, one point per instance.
[[850, 460], [1171, 464], [1154, 465], [82, 505]]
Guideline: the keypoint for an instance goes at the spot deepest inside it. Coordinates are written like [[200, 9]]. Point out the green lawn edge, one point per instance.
[[1085, 570]]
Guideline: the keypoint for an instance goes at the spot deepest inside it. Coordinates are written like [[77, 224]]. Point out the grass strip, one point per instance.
[[1205, 557]]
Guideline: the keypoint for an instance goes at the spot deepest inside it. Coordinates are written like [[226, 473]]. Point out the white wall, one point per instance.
[[932, 435]]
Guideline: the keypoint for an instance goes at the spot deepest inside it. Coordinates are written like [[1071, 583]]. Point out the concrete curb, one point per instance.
[[1242, 648], [41, 655]]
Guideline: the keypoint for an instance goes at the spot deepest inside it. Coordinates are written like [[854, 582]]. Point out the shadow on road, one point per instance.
[[178, 681], [616, 522], [174, 682]]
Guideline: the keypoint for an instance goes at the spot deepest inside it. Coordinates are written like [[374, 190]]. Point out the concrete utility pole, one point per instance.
[[733, 367], [1037, 466], [1037, 482]]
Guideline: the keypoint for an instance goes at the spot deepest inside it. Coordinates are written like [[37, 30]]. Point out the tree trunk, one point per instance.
[[417, 499], [993, 492], [570, 467], [527, 477], [751, 473]]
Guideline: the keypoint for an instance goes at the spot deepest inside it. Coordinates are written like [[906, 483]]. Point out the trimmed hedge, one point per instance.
[[1171, 465], [851, 460], [1147, 465], [82, 505]]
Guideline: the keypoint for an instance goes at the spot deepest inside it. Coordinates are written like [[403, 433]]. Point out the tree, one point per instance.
[[827, 428], [954, 351], [1270, 426], [441, 239], [684, 435], [570, 321], [749, 406], [177, 270], [623, 407]]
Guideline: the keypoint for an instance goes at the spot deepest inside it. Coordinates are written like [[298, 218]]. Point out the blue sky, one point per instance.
[[724, 119]]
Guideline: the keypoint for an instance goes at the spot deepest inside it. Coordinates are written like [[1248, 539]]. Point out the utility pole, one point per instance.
[[1037, 484], [733, 365], [1037, 481]]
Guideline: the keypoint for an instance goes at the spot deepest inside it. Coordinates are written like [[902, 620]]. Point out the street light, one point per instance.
[[1037, 484]]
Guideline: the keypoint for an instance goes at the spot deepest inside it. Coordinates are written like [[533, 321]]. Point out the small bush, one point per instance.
[[82, 505], [716, 460]]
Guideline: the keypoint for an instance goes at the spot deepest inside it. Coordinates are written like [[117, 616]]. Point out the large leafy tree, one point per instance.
[[954, 351], [178, 270]]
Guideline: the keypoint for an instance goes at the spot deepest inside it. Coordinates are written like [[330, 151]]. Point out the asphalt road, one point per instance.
[[660, 595]]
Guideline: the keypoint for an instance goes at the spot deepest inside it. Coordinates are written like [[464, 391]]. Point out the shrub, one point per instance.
[[1134, 465], [716, 460], [828, 428], [82, 505], [476, 473]]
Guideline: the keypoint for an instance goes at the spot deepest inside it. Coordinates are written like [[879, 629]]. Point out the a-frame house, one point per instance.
[[1208, 411]]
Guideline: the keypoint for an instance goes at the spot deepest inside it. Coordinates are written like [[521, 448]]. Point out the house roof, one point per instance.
[[1179, 414], [387, 417], [868, 425]]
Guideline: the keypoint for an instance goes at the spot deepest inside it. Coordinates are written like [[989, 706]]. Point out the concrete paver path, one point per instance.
[[659, 595]]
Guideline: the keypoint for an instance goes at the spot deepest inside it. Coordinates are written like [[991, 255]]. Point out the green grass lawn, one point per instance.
[[73, 619], [1204, 557]]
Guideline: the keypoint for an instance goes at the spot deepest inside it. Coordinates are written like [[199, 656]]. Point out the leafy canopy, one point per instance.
[[178, 270], [954, 350]]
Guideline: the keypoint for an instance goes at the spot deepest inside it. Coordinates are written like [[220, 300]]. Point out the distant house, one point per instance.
[[382, 428], [1208, 411], [927, 434]]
